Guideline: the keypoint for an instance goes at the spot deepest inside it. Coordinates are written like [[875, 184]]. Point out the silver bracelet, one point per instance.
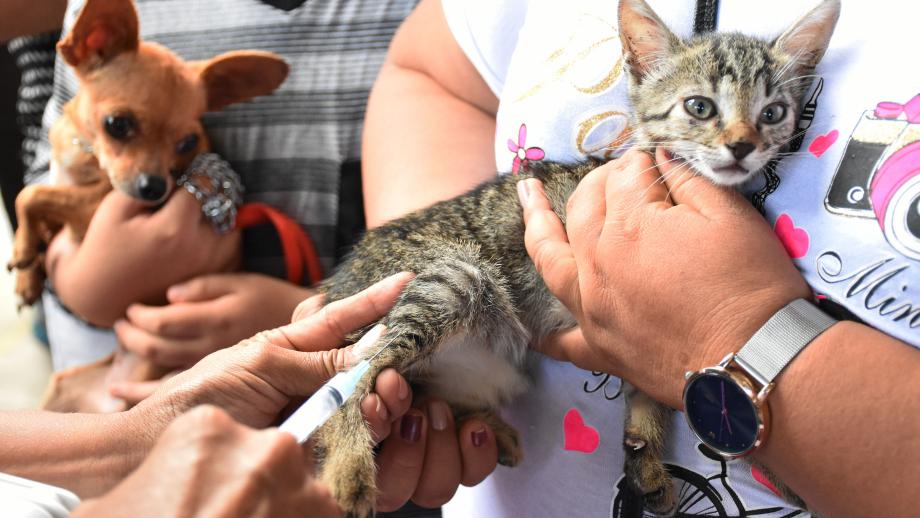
[[217, 188]]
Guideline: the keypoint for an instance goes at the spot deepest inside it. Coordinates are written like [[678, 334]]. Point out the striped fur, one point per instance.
[[477, 289]]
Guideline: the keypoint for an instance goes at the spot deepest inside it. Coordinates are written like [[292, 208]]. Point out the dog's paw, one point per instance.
[[29, 283], [647, 475]]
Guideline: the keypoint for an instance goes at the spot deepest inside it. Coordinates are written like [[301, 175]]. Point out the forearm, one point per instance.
[[845, 432], [430, 122], [99, 279], [25, 17], [85, 453]]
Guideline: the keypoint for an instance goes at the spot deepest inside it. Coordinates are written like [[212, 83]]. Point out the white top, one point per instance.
[[22, 498], [556, 71]]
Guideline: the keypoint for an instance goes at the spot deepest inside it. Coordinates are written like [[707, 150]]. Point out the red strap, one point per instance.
[[296, 244]]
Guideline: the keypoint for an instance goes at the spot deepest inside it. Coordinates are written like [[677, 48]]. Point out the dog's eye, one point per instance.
[[120, 127], [773, 113], [700, 107], [187, 144]]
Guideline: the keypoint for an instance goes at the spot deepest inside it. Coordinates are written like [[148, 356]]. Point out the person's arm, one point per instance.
[[702, 271], [430, 121], [206, 462], [845, 433], [130, 254], [253, 382], [26, 17]]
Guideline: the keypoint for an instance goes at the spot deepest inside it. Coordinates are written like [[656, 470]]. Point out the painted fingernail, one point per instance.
[[437, 411], [479, 437], [381, 409], [411, 427], [403, 391]]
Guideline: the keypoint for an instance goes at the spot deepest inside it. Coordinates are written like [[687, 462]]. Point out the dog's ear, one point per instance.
[[104, 29], [237, 76]]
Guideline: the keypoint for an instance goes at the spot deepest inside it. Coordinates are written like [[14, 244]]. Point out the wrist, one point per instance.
[[734, 323], [727, 404]]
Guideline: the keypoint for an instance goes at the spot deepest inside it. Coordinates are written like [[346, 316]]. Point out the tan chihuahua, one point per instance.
[[135, 124]]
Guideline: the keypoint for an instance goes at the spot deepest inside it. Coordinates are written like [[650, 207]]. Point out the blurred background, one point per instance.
[[24, 362]]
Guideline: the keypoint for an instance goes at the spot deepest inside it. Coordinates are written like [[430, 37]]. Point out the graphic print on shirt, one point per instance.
[[701, 495], [585, 64], [523, 155], [878, 176], [771, 179]]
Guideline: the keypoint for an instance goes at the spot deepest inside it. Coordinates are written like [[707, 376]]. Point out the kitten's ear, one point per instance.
[[644, 36], [807, 40]]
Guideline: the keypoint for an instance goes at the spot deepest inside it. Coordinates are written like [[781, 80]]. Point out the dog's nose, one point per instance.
[[151, 188], [740, 149]]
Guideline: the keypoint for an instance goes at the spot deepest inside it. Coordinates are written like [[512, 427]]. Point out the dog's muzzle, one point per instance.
[[151, 188]]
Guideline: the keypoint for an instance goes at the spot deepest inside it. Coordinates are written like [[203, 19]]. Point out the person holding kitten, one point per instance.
[[660, 292]]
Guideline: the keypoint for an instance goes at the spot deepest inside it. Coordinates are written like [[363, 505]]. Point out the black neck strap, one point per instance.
[[706, 19]]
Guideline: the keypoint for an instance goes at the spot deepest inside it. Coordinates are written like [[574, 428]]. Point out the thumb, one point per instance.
[[687, 187], [199, 289], [120, 206], [547, 244], [570, 346]]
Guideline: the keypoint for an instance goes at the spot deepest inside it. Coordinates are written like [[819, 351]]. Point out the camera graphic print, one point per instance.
[[878, 175]]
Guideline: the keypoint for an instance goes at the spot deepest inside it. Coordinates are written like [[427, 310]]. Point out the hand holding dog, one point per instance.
[[130, 254], [206, 314], [664, 271]]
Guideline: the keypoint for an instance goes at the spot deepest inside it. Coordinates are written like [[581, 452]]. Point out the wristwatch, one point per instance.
[[726, 405]]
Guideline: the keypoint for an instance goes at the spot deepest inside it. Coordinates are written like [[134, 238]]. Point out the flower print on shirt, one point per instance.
[[523, 154]]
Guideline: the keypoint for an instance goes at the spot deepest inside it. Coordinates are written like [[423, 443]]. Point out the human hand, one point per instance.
[[259, 377], [427, 457], [206, 464], [131, 254], [206, 314], [664, 271]]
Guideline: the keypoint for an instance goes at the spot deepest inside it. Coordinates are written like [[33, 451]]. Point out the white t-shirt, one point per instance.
[[556, 69]]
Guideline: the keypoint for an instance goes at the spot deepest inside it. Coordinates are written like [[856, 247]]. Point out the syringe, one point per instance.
[[315, 411]]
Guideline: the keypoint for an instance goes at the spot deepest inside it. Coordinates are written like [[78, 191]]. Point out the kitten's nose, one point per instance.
[[740, 149]]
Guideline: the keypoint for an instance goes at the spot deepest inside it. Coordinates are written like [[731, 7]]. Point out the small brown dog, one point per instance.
[[135, 124]]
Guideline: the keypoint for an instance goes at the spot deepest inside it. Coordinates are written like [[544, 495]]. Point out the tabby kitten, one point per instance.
[[726, 103]]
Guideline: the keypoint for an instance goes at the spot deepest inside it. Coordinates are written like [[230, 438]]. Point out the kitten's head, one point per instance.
[[727, 103]]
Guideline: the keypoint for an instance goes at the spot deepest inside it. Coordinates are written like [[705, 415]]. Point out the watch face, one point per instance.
[[721, 414]]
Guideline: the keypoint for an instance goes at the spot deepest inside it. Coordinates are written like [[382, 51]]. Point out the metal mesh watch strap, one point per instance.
[[775, 344]]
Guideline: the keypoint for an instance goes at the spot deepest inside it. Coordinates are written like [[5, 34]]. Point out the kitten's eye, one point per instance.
[[773, 113], [700, 107], [187, 144], [120, 127]]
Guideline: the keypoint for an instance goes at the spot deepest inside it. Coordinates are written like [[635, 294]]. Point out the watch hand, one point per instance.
[[724, 419]]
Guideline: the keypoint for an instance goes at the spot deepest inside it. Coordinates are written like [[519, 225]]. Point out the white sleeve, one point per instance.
[[29, 499], [487, 32]]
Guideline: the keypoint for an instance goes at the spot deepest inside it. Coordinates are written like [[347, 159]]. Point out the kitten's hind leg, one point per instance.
[[643, 440], [455, 295], [506, 437]]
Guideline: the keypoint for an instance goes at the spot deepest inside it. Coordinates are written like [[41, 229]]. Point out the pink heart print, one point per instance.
[[795, 239], [578, 435], [822, 143]]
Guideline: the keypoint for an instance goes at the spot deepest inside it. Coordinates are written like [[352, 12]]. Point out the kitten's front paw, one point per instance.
[[646, 475]]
